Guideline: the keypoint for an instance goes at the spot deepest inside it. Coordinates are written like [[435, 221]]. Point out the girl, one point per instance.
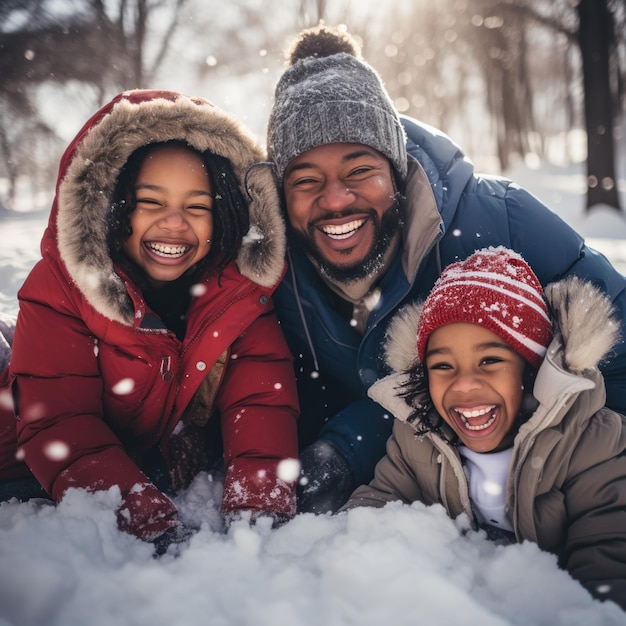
[[146, 341], [500, 414]]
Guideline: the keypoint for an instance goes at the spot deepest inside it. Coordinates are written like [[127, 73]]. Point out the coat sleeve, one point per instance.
[[395, 476], [595, 499], [258, 405], [60, 430]]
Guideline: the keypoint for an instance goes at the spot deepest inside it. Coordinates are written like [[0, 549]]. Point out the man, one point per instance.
[[377, 206]]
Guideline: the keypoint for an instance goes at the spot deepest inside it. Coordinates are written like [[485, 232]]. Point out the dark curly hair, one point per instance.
[[415, 392], [425, 417], [231, 218]]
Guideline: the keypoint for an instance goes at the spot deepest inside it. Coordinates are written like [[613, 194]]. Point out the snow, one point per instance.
[[69, 565]]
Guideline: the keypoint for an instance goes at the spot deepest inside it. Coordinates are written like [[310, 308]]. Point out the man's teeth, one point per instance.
[[467, 414], [342, 231], [163, 249]]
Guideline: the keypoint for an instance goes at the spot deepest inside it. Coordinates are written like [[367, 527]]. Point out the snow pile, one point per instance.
[[400, 565]]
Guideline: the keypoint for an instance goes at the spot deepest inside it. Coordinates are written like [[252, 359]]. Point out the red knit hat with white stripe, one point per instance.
[[494, 288]]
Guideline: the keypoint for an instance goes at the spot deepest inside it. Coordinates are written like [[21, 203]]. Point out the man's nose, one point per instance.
[[336, 195]]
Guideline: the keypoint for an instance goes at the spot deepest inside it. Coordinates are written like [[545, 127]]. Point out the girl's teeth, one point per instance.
[[168, 250], [488, 423], [475, 412], [472, 413]]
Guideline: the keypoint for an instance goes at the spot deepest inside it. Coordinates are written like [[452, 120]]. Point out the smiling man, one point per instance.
[[343, 210], [377, 205]]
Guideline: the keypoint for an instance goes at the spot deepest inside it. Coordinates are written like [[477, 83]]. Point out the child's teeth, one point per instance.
[[467, 414], [170, 250], [475, 412]]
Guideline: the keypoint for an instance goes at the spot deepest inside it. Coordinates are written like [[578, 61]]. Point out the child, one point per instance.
[[146, 341], [500, 414]]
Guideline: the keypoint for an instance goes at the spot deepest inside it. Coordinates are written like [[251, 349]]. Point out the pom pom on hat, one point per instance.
[[321, 41], [331, 95], [496, 289]]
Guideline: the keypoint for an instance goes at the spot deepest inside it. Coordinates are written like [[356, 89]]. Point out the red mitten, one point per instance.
[[146, 512], [255, 485]]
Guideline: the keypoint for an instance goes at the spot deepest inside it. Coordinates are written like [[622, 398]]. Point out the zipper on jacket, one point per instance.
[[166, 369], [454, 464], [523, 448], [307, 334]]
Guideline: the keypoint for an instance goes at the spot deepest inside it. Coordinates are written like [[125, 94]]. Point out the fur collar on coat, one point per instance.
[[91, 164], [585, 330]]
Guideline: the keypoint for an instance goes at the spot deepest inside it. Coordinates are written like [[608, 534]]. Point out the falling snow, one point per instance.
[[123, 387], [69, 565]]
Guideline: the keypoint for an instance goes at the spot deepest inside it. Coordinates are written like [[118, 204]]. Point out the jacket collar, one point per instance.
[[423, 223]]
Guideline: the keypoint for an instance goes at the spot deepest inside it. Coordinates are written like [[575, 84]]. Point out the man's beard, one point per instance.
[[385, 231]]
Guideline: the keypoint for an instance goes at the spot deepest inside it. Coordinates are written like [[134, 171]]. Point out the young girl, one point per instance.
[[146, 341], [500, 414]]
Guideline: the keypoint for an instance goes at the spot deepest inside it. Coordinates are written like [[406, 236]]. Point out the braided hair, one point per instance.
[[231, 218]]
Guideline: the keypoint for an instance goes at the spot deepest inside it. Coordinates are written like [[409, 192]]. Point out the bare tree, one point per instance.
[[499, 43], [435, 55], [100, 44], [492, 71], [576, 74], [597, 41], [126, 27], [596, 27], [312, 11]]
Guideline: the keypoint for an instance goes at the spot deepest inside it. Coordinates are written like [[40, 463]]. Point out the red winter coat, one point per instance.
[[96, 384]]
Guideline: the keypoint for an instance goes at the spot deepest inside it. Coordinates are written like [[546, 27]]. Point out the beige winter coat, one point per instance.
[[566, 486]]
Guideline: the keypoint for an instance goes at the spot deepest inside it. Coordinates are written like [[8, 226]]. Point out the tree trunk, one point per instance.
[[595, 34]]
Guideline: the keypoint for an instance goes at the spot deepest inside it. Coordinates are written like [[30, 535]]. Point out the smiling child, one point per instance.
[[500, 414], [146, 348]]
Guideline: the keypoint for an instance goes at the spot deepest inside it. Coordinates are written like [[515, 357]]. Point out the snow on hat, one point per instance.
[[494, 288], [329, 94]]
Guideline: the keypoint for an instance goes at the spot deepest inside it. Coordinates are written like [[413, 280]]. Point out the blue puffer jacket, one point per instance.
[[458, 212]]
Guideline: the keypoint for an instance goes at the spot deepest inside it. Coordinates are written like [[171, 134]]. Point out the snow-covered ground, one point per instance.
[[69, 566]]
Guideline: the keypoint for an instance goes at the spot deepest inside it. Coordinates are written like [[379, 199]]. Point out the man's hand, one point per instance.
[[177, 536], [326, 480]]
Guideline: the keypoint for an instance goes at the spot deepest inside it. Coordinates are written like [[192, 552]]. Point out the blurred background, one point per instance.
[[509, 80]]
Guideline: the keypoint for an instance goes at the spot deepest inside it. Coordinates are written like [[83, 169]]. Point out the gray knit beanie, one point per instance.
[[329, 94]]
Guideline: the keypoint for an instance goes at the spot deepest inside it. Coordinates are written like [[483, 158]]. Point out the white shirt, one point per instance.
[[486, 474]]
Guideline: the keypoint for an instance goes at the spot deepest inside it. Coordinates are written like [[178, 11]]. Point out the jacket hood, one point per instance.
[[585, 330], [445, 164], [90, 167]]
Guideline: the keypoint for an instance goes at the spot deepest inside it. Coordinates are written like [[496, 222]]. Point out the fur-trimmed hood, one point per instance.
[[584, 324], [91, 164]]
